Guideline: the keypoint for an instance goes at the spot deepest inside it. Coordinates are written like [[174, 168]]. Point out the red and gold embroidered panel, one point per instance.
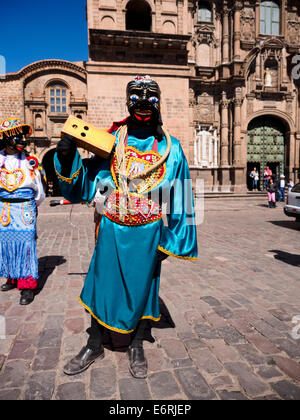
[[137, 161], [11, 181], [137, 209]]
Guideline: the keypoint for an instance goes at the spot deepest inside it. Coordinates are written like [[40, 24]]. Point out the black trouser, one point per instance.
[[96, 334]]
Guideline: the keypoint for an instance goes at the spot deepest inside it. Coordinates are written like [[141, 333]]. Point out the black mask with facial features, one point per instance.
[[17, 142], [143, 102]]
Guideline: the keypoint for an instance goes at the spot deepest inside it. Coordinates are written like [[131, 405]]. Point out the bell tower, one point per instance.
[[138, 37]]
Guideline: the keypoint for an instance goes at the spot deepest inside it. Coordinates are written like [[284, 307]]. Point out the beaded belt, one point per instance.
[[14, 200], [138, 210]]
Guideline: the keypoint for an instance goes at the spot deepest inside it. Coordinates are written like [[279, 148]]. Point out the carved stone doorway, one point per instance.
[[267, 146]]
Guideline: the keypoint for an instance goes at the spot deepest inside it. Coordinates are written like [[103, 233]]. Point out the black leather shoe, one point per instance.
[[83, 360], [27, 296], [6, 287], [138, 364]]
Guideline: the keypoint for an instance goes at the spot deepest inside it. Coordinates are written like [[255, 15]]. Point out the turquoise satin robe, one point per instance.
[[122, 284]]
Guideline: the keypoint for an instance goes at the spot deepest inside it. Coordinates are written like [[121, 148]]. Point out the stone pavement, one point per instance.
[[234, 310]]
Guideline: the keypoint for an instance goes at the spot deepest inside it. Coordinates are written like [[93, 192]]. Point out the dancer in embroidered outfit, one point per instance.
[[21, 191], [122, 285]]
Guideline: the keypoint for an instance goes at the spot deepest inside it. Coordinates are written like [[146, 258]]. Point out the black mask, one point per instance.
[[143, 101], [17, 142]]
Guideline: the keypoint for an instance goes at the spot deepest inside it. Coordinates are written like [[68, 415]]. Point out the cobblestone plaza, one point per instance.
[[236, 312]]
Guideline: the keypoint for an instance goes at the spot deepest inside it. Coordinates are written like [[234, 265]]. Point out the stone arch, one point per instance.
[[56, 80], [250, 58], [40, 68], [108, 22], [284, 117], [150, 2], [169, 27]]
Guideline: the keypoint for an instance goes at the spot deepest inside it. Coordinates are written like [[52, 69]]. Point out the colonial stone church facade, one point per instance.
[[228, 70]]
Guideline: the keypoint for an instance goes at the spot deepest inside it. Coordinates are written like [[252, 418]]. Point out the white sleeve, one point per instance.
[[39, 192]]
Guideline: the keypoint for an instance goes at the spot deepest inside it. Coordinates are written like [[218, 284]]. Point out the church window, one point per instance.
[[58, 99], [204, 11], [269, 18]]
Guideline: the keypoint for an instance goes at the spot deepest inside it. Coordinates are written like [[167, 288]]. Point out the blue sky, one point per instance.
[[33, 30]]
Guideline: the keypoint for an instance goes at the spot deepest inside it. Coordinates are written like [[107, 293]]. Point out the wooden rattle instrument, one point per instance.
[[90, 138]]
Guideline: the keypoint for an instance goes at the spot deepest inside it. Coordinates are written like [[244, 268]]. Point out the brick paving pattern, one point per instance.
[[234, 310]]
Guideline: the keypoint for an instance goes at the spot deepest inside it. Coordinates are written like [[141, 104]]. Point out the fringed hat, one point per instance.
[[13, 126]]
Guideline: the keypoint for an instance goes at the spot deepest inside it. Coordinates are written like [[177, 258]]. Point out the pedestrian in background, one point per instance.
[[290, 185], [277, 185], [282, 188], [271, 191], [267, 176], [254, 175]]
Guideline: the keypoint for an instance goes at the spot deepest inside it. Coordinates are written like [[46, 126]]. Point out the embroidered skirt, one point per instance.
[[18, 254], [122, 285]]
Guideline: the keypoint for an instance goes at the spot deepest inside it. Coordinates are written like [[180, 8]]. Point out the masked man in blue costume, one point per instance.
[[121, 290]]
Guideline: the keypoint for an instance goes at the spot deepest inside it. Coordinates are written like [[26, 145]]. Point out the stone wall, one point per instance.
[[11, 99], [107, 101]]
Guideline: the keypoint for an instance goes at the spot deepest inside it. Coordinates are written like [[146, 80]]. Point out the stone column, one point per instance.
[[45, 131], [257, 18], [210, 150], [224, 164], [186, 17], [284, 68], [156, 18], [258, 72], [224, 130], [121, 25], [283, 19], [237, 32], [225, 36], [292, 155], [180, 16], [218, 49], [237, 132], [196, 156], [204, 148], [215, 137], [296, 158]]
